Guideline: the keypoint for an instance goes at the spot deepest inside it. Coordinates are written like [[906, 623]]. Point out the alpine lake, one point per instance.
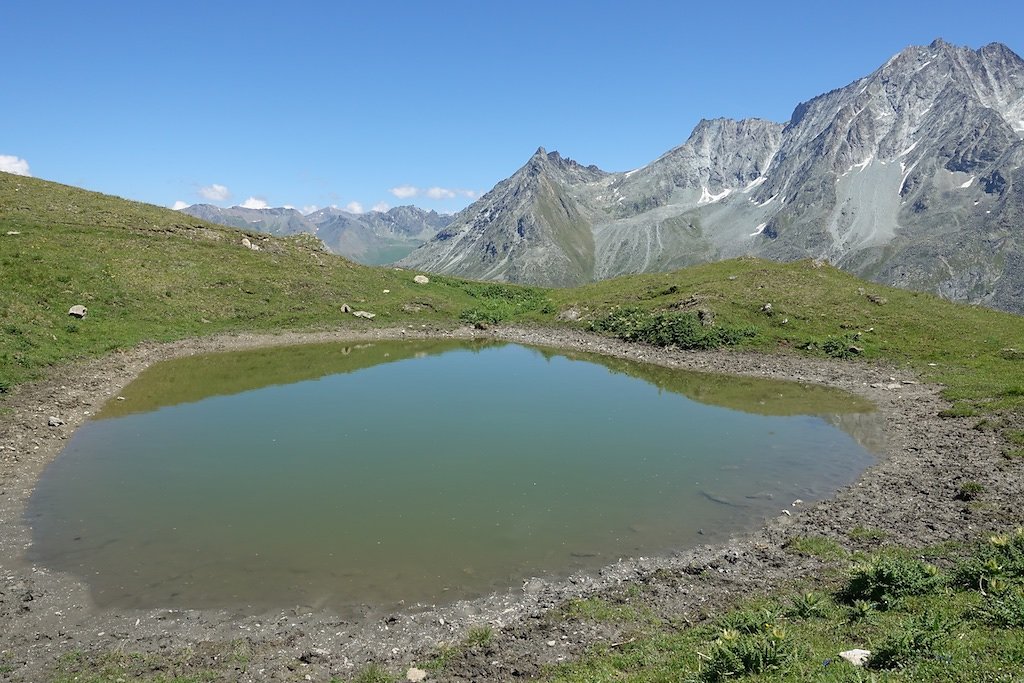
[[361, 478]]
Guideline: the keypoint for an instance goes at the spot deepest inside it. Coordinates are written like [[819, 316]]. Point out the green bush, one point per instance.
[[738, 654], [887, 579], [1001, 556], [681, 330], [1003, 606]]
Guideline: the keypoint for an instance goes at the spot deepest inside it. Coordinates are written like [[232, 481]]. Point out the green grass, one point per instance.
[[147, 273], [817, 546], [938, 629]]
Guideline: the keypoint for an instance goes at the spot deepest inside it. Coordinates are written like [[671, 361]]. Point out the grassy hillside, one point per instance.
[[148, 273]]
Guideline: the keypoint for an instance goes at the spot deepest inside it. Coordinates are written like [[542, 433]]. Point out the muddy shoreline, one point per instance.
[[909, 495]]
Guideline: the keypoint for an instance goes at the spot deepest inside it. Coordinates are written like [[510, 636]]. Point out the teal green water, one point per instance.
[[365, 477]]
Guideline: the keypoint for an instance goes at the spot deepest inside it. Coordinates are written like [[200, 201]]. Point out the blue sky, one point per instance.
[[387, 103]]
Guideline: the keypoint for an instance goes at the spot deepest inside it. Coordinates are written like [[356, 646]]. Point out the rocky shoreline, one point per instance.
[[909, 496]]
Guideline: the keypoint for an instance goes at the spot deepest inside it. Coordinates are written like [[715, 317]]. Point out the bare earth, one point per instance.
[[909, 494]]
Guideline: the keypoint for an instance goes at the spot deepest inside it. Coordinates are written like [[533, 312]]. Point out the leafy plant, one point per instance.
[[887, 579], [1001, 556], [916, 638], [738, 654], [807, 605], [679, 330], [1004, 608]]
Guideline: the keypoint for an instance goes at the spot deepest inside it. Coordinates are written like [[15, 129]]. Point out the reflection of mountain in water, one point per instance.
[[191, 379], [867, 429]]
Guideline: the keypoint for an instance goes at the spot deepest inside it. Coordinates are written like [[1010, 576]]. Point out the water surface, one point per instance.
[[360, 477]]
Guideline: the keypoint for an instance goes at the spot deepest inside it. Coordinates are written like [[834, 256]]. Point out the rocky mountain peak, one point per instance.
[[906, 175]]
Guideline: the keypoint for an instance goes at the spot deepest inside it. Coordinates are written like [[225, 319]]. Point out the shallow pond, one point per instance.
[[364, 477]]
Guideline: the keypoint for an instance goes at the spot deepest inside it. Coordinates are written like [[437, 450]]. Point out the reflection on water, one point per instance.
[[366, 475]]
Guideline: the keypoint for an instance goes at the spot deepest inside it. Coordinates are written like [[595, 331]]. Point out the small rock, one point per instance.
[[246, 243], [798, 502], [732, 277], [879, 300], [855, 350], [706, 317], [415, 675], [533, 586], [570, 314], [55, 422], [421, 279], [364, 314], [78, 311], [857, 657], [345, 308], [767, 308], [13, 232], [387, 291], [552, 643]]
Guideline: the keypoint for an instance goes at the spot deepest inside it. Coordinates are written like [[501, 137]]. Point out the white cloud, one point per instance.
[[381, 206], [13, 164], [306, 210], [254, 203], [179, 205], [354, 207], [215, 192], [440, 193], [404, 191]]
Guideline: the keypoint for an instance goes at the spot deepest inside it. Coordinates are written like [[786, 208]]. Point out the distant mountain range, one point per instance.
[[373, 238], [912, 176]]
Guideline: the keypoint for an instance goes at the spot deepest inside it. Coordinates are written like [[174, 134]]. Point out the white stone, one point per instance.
[[364, 314], [857, 657], [421, 279], [78, 311], [415, 675]]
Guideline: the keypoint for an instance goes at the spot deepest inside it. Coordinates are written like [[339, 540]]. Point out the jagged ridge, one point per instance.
[[910, 176]]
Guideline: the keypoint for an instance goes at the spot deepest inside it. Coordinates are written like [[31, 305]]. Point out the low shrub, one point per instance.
[[736, 654], [679, 330], [887, 579]]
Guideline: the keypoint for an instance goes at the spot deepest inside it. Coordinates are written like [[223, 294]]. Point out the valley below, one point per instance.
[[910, 496]]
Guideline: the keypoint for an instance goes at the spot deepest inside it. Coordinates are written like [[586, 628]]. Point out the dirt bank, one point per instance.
[[910, 495]]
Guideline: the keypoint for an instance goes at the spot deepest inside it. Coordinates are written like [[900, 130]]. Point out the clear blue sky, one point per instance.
[[319, 103]]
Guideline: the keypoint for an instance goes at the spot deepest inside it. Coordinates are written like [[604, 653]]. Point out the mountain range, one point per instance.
[[374, 237], [910, 176]]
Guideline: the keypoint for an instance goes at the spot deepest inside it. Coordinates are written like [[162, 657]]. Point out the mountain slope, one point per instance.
[[372, 238], [529, 228], [909, 176]]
